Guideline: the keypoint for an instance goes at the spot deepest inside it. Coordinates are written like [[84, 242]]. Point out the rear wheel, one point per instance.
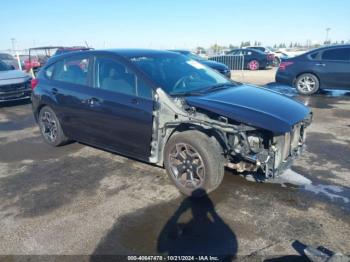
[[253, 65], [50, 127], [194, 162], [307, 84]]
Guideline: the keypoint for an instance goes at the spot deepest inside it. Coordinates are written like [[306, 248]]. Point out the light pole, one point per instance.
[[13, 43], [327, 35]]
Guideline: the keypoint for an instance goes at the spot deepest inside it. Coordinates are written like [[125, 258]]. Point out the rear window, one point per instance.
[[339, 54], [259, 48]]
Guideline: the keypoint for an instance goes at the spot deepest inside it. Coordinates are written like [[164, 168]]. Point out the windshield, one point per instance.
[[6, 57], [179, 75], [4, 67]]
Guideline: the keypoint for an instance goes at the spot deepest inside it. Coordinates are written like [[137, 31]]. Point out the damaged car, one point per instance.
[[169, 110]]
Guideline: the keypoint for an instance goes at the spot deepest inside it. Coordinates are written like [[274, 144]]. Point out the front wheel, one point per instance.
[[276, 62], [307, 84], [194, 162]]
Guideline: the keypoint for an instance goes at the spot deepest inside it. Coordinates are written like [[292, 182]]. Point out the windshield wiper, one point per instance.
[[219, 87], [194, 93]]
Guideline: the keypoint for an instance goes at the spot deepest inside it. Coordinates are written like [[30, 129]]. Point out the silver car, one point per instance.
[[14, 84], [9, 60]]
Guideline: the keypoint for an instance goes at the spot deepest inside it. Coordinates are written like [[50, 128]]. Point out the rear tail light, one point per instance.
[[284, 65], [34, 82]]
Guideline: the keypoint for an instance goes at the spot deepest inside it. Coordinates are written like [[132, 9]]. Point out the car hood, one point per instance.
[[12, 77], [255, 106], [11, 74], [213, 64]]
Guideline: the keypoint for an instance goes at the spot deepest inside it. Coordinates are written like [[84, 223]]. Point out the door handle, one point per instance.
[[93, 101], [320, 64]]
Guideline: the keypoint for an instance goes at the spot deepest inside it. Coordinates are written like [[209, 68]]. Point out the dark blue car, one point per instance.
[[253, 59], [327, 67], [164, 108], [220, 67]]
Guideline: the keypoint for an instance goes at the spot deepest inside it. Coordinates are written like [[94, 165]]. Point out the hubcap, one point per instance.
[[186, 166], [48, 126], [307, 84]]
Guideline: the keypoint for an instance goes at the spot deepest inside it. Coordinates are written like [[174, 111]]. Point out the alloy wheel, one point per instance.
[[187, 166], [48, 126], [253, 65], [306, 84]]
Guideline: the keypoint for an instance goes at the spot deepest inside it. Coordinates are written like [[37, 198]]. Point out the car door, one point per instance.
[[69, 85], [119, 109], [334, 67]]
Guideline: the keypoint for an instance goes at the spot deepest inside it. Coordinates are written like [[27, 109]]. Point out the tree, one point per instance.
[[200, 49]]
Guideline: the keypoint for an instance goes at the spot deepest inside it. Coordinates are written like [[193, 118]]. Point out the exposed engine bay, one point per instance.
[[246, 148]]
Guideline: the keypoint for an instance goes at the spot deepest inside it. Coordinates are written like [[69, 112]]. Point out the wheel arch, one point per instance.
[[37, 111], [211, 133]]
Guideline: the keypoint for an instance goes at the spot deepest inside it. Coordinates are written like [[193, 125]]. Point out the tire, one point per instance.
[[50, 127], [193, 152], [307, 84], [254, 65], [276, 62]]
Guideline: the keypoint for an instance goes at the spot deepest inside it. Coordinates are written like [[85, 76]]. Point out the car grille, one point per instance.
[[13, 87]]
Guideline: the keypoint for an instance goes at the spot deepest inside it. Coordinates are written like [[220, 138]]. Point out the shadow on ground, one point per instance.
[[192, 228]]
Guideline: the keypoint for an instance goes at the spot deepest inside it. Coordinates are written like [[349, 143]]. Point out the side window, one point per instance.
[[314, 56], [233, 52], [72, 70], [340, 54], [116, 77]]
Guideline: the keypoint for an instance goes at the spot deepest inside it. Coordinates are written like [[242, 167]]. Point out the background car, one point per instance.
[[9, 60], [267, 50], [220, 67], [32, 63], [14, 84], [254, 59], [327, 67], [38, 57], [292, 52]]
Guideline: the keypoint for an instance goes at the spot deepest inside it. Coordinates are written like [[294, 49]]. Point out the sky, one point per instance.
[[170, 24]]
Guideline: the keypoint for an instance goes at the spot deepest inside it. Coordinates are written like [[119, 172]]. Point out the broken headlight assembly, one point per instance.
[[255, 143]]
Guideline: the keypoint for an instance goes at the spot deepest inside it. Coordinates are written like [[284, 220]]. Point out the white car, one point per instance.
[[290, 52]]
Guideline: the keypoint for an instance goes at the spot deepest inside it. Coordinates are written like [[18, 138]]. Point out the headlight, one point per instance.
[[255, 143]]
